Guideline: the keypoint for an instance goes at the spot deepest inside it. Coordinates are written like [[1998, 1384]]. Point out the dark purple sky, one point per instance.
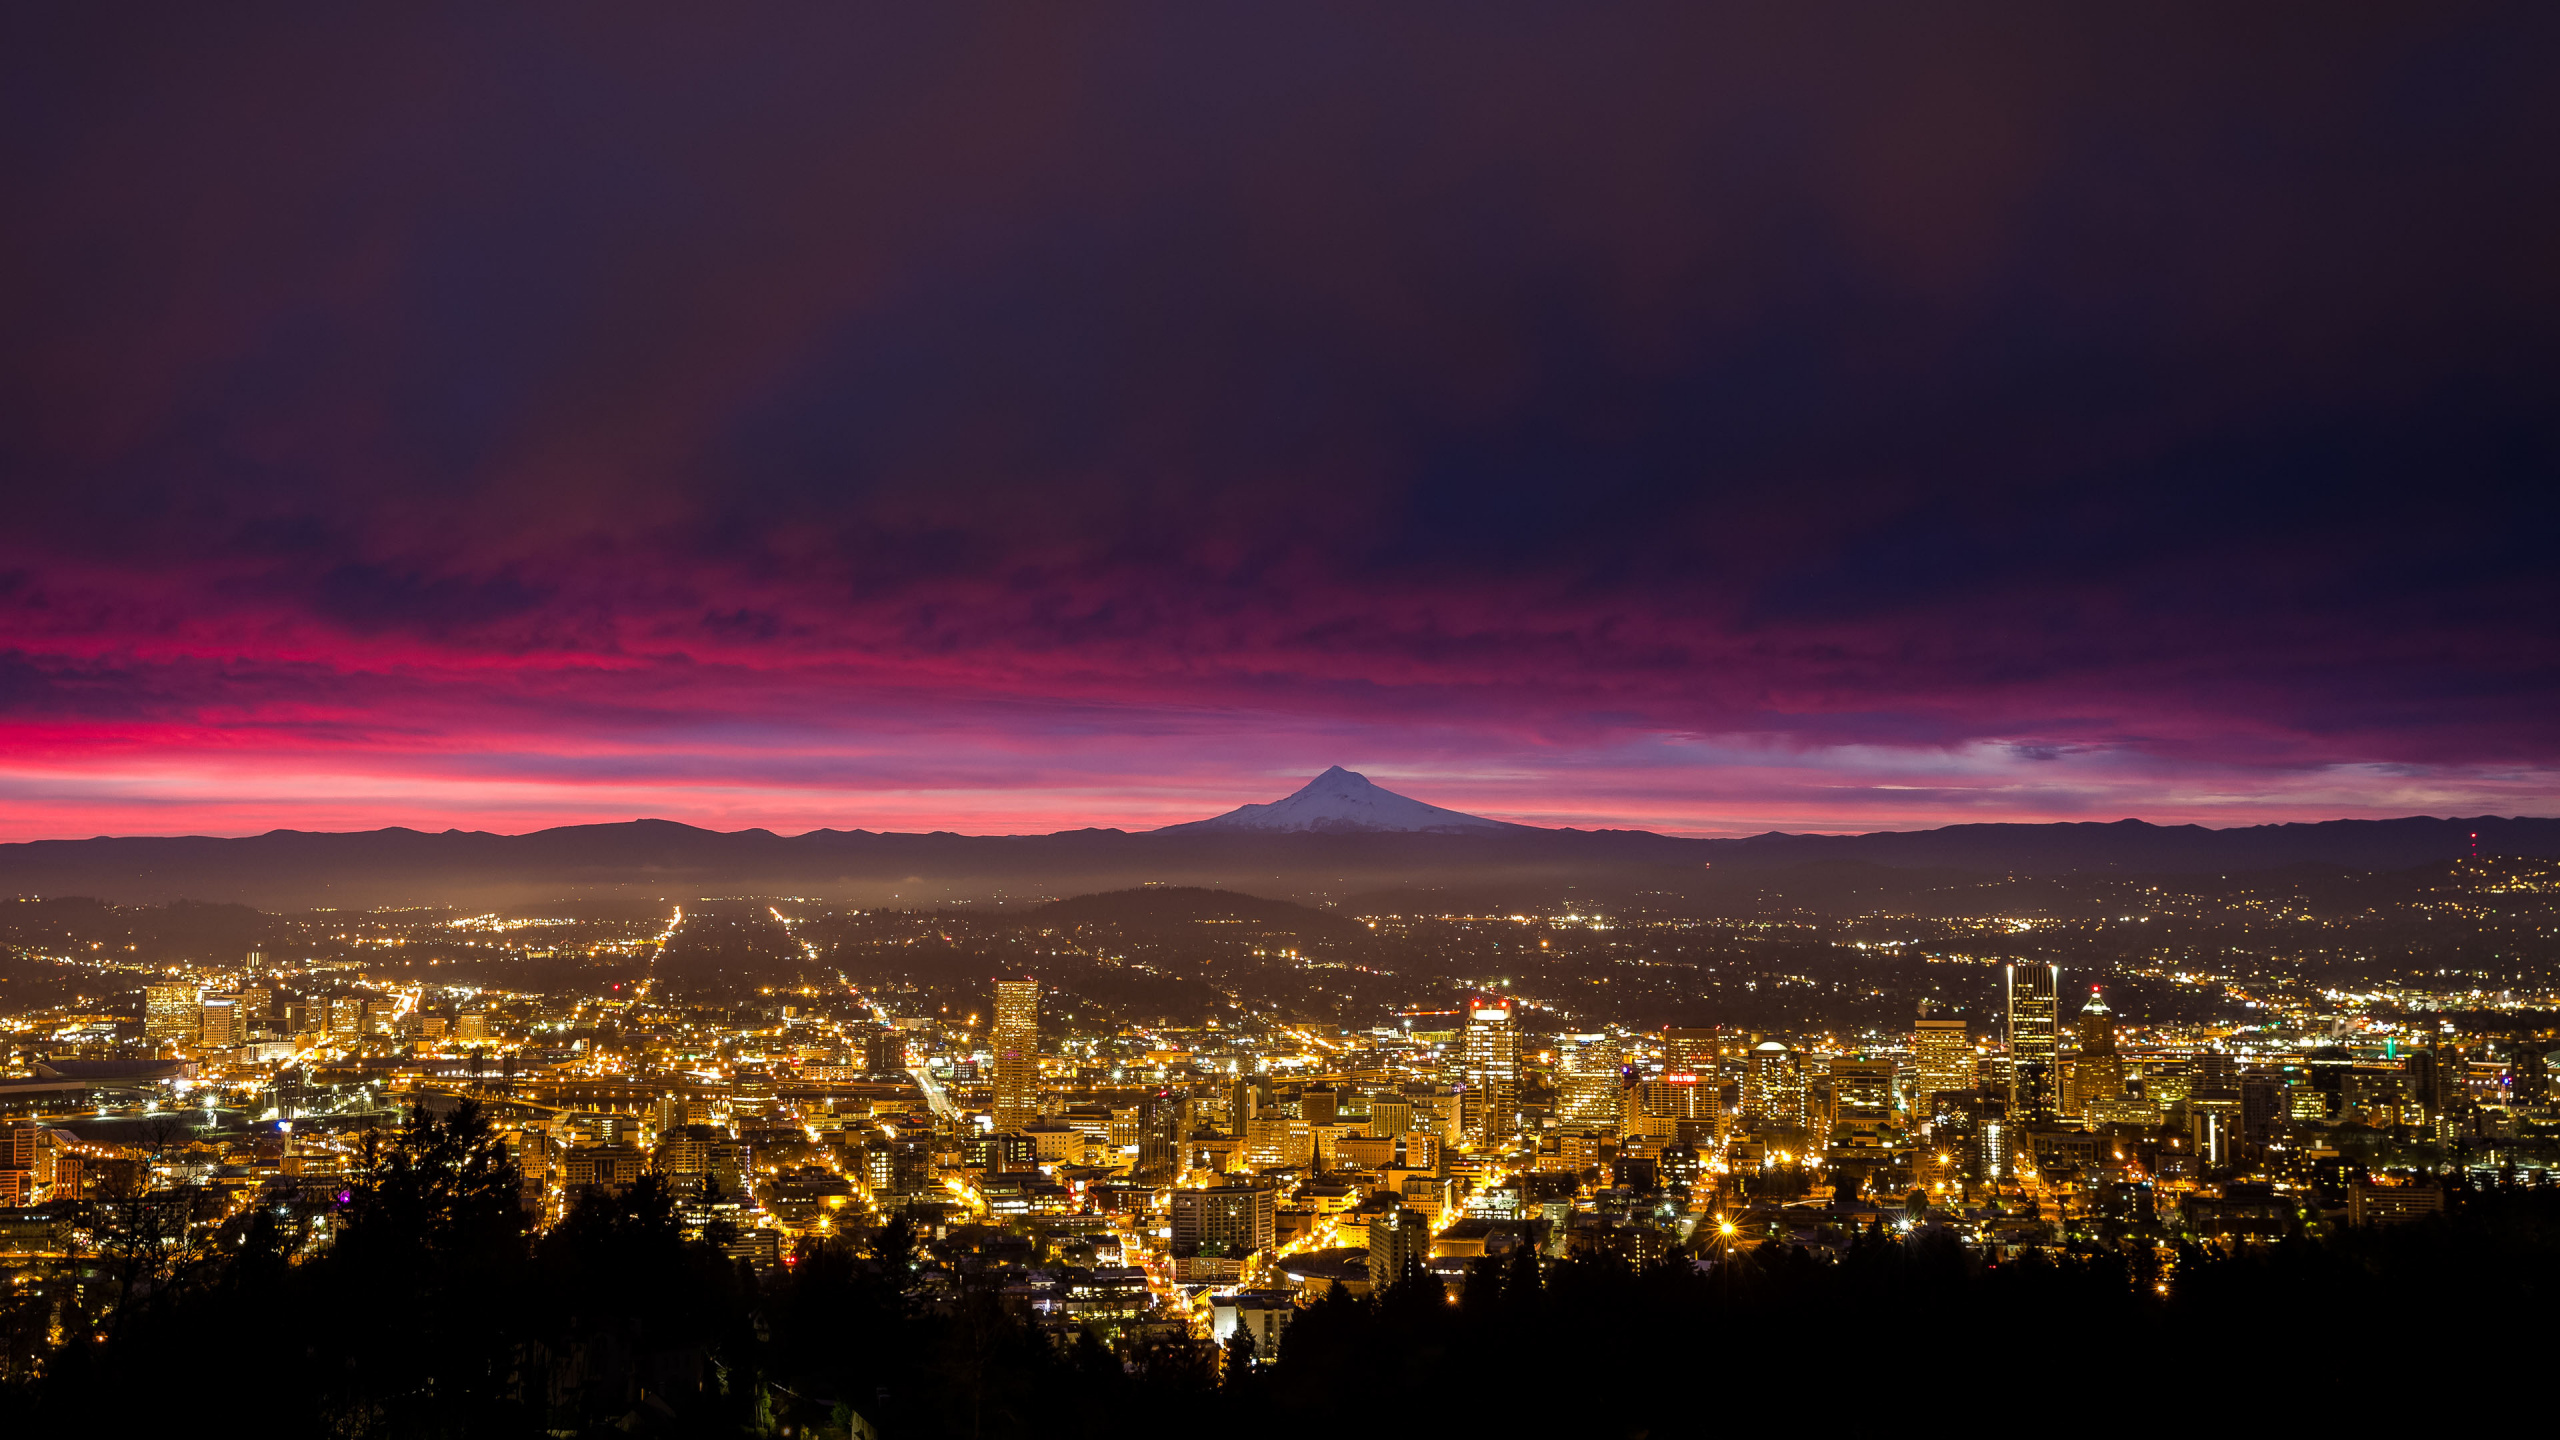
[[1703, 419]]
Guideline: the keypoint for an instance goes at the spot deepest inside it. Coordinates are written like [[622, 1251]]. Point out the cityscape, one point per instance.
[[1165, 1125], [936, 723]]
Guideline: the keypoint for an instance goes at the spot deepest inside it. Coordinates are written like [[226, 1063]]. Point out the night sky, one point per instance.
[[1709, 420]]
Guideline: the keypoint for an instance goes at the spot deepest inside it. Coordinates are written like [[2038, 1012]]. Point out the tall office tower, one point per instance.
[[1773, 1088], [2034, 1042], [169, 1012], [474, 1026], [1942, 1056], [257, 1013], [1587, 1079], [256, 962], [1159, 1138], [1016, 1041], [2100, 1074], [218, 1022], [1490, 1104], [346, 1018]]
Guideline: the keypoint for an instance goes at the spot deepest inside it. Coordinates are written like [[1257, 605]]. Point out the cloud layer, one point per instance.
[[1709, 422]]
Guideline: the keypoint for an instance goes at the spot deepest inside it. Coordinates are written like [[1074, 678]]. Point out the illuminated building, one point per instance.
[[1587, 1080], [675, 1112], [469, 1027], [219, 1025], [1942, 1059], [2100, 1073], [1659, 1107], [346, 1019], [700, 1150], [1398, 1245], [169, 1012], [1691, 1052], [752, 1098], [2213, 1126], [1272, 1141], [1861, 1102], [604, 1167], [1242, 1218], [2034, 1041], [1016, 1041], [1390, 1115], [1160, 1130], [26, 1162], [1773, 1086], [1490, 1103]]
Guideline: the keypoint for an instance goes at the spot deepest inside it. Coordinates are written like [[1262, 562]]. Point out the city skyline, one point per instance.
[[934, 723]]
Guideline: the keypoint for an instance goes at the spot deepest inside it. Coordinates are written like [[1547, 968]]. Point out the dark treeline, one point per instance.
[[436, 1312]]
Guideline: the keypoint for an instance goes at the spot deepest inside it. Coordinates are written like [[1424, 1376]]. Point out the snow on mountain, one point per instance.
[[1340, 800]]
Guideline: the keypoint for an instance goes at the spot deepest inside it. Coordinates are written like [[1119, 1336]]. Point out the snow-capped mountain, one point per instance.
[[1340, 800]]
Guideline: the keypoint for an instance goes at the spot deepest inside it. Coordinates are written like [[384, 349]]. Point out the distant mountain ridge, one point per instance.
[[654, 859]]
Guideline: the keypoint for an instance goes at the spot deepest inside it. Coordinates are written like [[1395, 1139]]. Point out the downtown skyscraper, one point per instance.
[[1016, 1042], [1490, 1101], [2035, 1034]]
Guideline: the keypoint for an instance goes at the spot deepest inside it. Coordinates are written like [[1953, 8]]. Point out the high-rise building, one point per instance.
[[474, 1026], [1658, 1107], [1941, 1057], [1773, 1086], [1242, 1218], [256, 962], [1861, 1102], [1490, 1103], [2099, 1076], [1690, 1052], [2034, 1042], [257, 1013], [26, 1151], [1587, 1080], [218, 1022], [1016, 1041], [169, 1012], [1159, 1138], [346, 1019]]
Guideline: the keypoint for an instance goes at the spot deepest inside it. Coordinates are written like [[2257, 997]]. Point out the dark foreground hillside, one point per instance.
[[435, 1313]]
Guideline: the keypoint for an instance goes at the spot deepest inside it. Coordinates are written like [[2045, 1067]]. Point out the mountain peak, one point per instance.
[[1340, 801]]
